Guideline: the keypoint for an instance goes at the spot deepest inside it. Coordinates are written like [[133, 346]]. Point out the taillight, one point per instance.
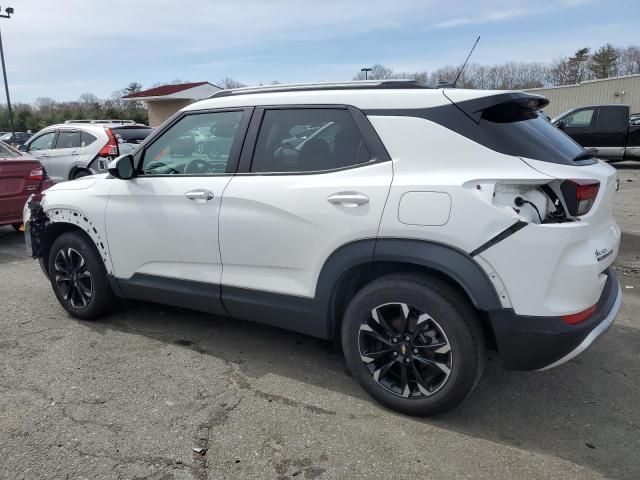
[[579, 195], [580, 316], [37, 174], [111, 147]]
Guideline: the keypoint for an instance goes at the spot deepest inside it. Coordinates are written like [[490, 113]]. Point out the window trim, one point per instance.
[[234, 153], [363, 125]]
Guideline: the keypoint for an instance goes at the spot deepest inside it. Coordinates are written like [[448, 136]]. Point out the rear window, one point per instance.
[[521, 132], [131, 134], [6, 152]]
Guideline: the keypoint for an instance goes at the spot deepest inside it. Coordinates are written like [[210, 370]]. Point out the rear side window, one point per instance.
[[87, 139], [308, 140], [133, 135], [612, 119], [68, 139], [530, 137], [7, 152]]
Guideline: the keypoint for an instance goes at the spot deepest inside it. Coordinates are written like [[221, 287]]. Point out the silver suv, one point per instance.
[[74, 150]]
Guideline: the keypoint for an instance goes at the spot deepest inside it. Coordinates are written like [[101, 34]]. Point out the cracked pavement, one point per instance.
[[131, 397]]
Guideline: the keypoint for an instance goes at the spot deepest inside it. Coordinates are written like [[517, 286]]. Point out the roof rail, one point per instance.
[[304, 87], [123, 122]]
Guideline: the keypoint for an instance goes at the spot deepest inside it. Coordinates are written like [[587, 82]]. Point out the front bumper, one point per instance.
[[541, 343]]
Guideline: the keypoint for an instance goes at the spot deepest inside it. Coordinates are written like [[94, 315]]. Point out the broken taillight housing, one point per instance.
[[579, 195]]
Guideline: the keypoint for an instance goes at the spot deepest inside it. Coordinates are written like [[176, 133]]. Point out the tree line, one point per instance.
[[585, 64]]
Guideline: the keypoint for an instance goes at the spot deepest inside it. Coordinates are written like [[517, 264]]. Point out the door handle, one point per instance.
[[74, 153], [43, 155], [205, 195], [348, 199]]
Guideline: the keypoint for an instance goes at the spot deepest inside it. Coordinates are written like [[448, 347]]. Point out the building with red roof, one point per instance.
[[165, 100]]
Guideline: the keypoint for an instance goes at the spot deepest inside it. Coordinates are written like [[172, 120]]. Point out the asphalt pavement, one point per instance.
[[164, 393]]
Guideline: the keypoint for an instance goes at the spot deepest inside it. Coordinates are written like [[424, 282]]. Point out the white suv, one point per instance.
[[73, 150], [417, 226]]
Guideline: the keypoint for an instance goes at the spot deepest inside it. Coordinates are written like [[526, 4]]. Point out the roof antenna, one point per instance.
[[465, 62]]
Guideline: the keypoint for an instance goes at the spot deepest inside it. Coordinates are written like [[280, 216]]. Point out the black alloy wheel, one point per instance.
[[405, 350]]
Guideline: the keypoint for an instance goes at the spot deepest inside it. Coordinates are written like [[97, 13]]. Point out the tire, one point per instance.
[[446, 349], [78, 249]]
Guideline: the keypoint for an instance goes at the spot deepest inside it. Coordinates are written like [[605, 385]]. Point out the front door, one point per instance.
[[162, 226], [579, 126], [40, 147]]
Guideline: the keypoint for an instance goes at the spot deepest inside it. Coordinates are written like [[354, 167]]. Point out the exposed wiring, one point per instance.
[[519, 202]]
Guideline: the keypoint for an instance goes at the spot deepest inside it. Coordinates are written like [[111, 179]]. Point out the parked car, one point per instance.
[[607, 128], [634, 119], [19, 138], [20, 177], [420, 228], [71, 151]]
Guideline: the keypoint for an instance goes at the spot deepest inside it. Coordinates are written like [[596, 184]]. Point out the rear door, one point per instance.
[[65, 154], [610, 131], [311, 180]]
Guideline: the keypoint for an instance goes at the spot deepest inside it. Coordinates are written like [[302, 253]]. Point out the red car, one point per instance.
[[20, 176]]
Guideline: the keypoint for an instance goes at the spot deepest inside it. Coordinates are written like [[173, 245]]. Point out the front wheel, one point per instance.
[[78, 277], [413, 343]]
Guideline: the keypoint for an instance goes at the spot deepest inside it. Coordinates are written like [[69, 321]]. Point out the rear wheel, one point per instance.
[[79, 278], [413, 343]]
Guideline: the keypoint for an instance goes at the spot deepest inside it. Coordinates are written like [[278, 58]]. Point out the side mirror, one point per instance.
[[561, 124], [23, 148], [122, 167]]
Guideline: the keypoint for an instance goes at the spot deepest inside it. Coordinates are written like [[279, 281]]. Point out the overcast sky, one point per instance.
[[63, 48]]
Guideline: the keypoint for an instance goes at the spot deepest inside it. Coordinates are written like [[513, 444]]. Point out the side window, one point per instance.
[[87, 139], [43, 142], [68, 139], [612, 119], [308, 140], [199, 144], [579, 119]]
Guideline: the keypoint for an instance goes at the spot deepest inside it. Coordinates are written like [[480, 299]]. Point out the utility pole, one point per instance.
[[8, 12], [366, 71]]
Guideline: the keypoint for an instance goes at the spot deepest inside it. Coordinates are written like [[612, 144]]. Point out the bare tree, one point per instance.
[[229, 83], [378, 72], [629, 62]]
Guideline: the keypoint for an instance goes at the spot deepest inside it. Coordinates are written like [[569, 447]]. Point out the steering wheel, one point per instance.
[[157, 165], [197, 166]]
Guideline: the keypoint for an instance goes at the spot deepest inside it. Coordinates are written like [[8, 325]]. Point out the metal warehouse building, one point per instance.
[[618, 90]]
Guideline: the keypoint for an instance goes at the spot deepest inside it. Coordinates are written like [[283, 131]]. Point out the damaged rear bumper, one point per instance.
[[541, 343]]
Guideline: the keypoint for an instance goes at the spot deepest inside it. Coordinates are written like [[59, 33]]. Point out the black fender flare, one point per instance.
[[450, 261]]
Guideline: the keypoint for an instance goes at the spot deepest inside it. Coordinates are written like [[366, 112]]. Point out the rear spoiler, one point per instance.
[[509, 104]]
